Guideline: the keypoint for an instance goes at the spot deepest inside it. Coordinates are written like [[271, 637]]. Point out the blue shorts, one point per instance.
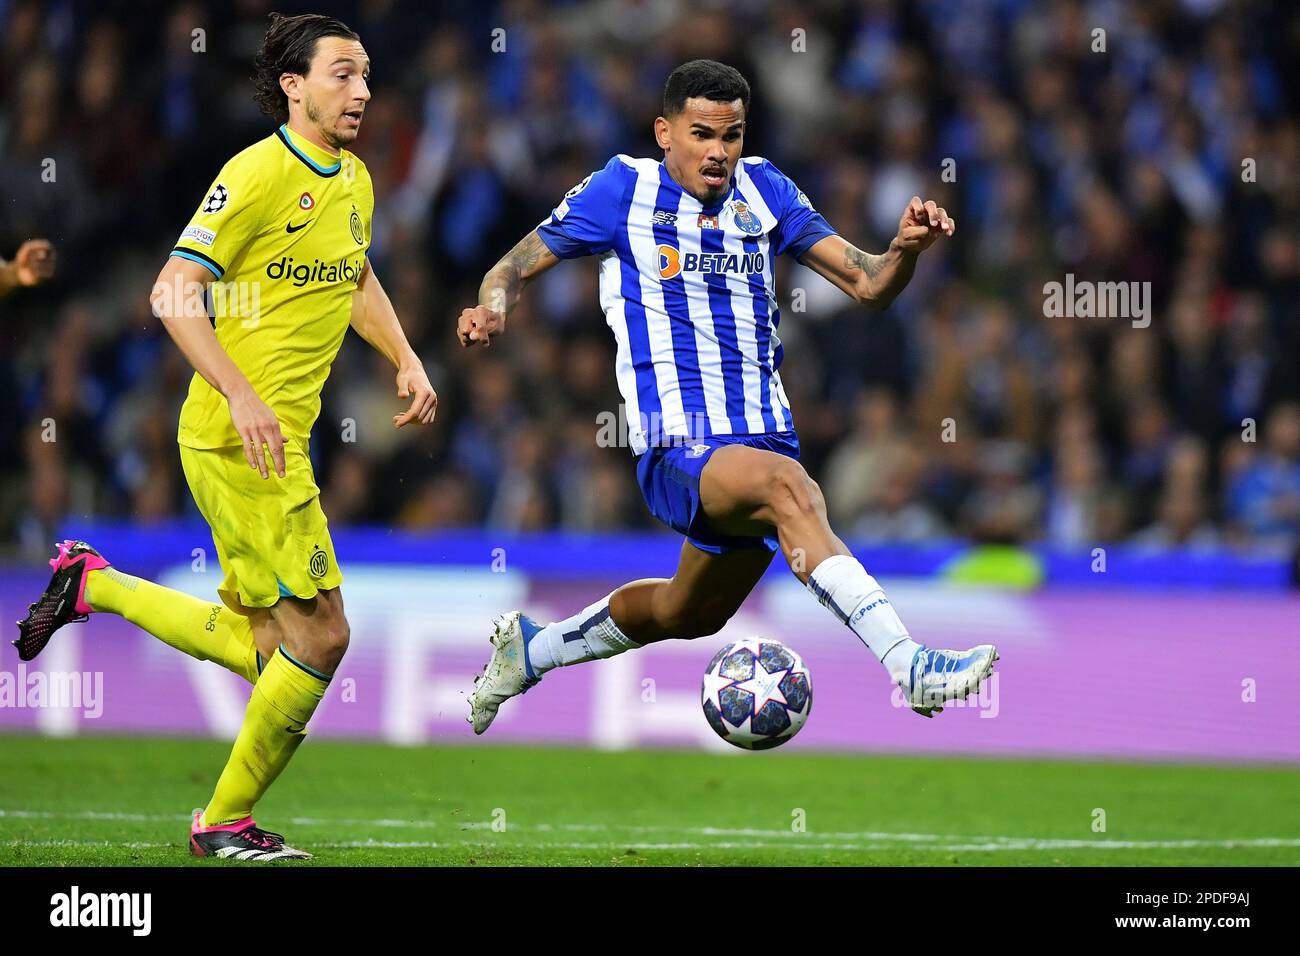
[[670, 483]]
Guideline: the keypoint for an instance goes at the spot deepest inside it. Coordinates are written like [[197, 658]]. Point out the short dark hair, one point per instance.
[[707, 78], [288, 47]]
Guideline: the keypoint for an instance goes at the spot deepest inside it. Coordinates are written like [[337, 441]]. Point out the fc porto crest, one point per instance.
[[745, 220]]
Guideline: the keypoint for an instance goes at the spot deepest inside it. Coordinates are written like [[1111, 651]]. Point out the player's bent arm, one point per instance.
[[177, 300], [500, 289], [375, 320], [870, 279]]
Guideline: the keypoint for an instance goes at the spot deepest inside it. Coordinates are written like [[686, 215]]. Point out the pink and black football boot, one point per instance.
[[241, 840], [63, 602]]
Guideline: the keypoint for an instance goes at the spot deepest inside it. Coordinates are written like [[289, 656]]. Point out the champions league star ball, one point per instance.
[[757, 693]]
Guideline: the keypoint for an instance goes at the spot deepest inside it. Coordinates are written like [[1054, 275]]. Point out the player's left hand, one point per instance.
[[921, 224], [34, 262], [414, 384]]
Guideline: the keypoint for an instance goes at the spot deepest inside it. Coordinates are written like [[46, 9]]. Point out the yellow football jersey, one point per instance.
[[284, 231]]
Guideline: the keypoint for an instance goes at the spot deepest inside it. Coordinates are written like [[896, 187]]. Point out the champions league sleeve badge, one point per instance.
[[217, 199]]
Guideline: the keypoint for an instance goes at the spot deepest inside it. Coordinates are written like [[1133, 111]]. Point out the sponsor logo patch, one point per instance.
[[204, 237], [670, 262], [318, 270], [673, 262]]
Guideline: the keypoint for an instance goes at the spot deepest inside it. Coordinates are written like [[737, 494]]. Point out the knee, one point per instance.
[[791, 493], [337, 636], [331, 640]]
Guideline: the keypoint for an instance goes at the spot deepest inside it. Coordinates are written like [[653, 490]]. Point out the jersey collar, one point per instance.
[[321, 162]]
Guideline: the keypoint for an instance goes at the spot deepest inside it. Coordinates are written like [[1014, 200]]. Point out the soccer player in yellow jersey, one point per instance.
[[280, 241]]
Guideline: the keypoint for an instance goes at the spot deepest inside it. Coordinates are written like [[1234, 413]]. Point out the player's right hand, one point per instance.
[[479, 324], [34, 261], [259, 430]]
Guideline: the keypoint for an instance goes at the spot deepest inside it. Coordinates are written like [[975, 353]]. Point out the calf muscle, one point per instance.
[[698, 600]]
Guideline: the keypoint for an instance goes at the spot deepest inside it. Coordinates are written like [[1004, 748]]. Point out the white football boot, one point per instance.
[[938, 676], [507, 673]]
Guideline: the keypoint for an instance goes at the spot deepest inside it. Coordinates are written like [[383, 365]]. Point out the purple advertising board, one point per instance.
[[1170, 675]]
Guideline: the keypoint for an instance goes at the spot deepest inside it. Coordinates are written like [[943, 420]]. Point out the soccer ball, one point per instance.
[[757, 693]]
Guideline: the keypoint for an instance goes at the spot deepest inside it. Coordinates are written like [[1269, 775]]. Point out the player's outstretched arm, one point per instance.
[[877, 280], [375, 320], [31, 265], [177, 299], [501, 287]]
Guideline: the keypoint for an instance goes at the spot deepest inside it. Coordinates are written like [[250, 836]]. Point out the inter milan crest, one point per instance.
[[746, 221], [354, 223]]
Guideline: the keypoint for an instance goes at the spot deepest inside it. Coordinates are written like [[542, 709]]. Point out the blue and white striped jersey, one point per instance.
[[690, 292]]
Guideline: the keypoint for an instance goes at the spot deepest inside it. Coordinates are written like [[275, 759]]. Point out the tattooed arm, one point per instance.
[[877, 280], [500, 289]]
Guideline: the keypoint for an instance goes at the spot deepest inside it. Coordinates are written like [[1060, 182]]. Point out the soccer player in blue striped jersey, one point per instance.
[[686, 248]]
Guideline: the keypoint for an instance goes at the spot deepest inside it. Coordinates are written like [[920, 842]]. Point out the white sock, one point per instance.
[[589, 635], [843, 585]]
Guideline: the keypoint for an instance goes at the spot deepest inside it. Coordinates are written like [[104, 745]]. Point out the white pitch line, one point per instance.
[[949, 847], [724, 845], [775, 839]]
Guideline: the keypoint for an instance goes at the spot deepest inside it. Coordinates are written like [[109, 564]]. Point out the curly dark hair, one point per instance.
[[288, 47], [707, 78]]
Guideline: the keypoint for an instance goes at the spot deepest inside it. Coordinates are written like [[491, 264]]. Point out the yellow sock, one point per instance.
[[202, 629], [283, 700]]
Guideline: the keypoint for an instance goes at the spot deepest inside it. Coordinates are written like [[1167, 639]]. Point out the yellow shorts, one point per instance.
[[271, 535]]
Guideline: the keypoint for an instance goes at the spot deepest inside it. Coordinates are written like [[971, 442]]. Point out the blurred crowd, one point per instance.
[[1171, 156]]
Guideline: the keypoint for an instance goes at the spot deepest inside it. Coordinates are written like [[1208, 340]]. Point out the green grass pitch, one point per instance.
[[124, 802]]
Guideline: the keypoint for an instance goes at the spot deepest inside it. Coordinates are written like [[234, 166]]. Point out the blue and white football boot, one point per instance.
[[938, 676], [507, 673]]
